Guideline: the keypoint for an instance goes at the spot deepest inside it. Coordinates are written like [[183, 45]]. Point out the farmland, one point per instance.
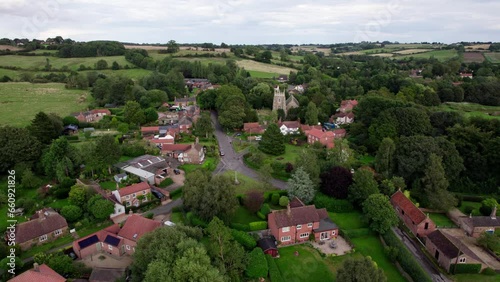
[[39, 62], [473, 57], [493, 57], [441, 55], [261, 67], [24, 100], [472, 110]]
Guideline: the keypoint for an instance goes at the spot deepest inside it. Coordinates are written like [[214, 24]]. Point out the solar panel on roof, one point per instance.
[[89, 241], [111, 240]]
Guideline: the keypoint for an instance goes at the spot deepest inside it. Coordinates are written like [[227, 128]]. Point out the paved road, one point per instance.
[[166, 208], [422, 259], [232, 160]]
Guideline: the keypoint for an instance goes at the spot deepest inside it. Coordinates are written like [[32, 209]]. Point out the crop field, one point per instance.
[[477, 47], [39, 62], [261, 67], [472, 110], [493, 57], [20, 102], [441, 55], [261, 74], [473, 57], [11, 48], [383, 55], [411, 51], [327, 51]]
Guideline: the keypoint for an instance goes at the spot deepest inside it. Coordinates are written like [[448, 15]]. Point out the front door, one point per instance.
[[323, 236]]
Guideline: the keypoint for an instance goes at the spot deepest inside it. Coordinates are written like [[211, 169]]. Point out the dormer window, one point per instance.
[[299, 226]]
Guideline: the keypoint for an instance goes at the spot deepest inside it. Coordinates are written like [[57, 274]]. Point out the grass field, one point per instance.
[[250, 65], [441, 55], [308, 266], [471, 110], [261, 74], [24, 100], [476, 278], [441, 220], [38, 62], [474, 205], [244, 216], [493, 57], [246, 183], [473, 57]]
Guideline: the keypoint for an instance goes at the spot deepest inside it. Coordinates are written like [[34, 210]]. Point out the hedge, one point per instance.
[[175, 192], [462, 268], [269, 194], [265, 209], [405, 258], [331, 204], [274, 271], [246, 240], [195, 220], [261, 215], [257, 264], [275, 198], [166, 182], [258, 225], [240, 226]]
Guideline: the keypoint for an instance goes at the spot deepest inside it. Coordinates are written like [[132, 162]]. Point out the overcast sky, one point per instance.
[[252, 21]]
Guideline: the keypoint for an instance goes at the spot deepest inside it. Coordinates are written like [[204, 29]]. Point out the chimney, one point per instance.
[[197, 140], [494, 212], [288, 209], [36, 267]]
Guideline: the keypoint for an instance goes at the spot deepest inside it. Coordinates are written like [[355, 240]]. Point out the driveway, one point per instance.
[[232, 160], [166, 208]]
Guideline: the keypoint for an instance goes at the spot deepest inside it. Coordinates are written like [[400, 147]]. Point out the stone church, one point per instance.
[[280, 101]]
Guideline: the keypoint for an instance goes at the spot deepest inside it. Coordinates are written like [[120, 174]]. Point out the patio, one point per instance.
[[342, 247], [104, 260]]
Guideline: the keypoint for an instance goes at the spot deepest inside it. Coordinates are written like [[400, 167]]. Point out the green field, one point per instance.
[[493, 57], [261, 74], [307, 266], [473, 205], [39, 62], [471, 110], [441, 220], [20, 102], [244, 216], [441, 55], [246, 183]]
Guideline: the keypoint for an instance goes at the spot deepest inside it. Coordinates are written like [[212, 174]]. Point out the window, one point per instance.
[[128, 204], [57, 232], [334, 232], [127, 197], [299, 226], [127, 247], [110, 247], [309, 225], [426, 226], [304, 235], [462, 260], [285, 229], [133, 195], [402, 212], [43, 238], [285, 238], [144, 192]]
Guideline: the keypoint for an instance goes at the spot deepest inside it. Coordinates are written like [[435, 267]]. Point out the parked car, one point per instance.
[[177, 172], [258, 138], [221, 153]]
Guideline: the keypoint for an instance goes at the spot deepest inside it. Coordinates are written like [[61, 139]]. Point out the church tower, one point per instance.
[[279, 101]]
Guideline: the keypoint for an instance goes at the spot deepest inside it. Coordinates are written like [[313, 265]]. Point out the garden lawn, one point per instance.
[[24, 100], [246, 183], [441, 220], [110, 185], [308, 266], [347, 221], [177, 217], [470, 109], [476, 278], [474, 205], [262, 74], [244, 216], [366, 160], [59, 243], [210, 164], [58, 204]]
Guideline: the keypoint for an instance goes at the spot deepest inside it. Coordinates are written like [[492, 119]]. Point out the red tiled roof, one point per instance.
[[339, 132], [150, 129], [322, 213], [35, 228], [305, 127], [295, 203], [101, 111], [136, 226], [289, 124], [250, 125], [175, 147], [299, 215], [320, 133], [415, 214], [134, 188], [44, 274]]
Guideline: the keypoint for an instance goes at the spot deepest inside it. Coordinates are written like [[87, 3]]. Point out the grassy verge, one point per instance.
[[246, 183]]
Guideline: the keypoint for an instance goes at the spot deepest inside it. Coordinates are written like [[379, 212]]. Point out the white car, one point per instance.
[[258, 138], [169, 223]]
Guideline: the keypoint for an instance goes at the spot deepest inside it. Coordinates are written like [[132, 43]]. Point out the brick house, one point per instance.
[[475, 225], [419, 224], [128, 196], [91, 116], [150, 130], [298, 222], [253, 128], [39, 273], [342, 118], [184, 102], [448, 250], [185, 124], [347, 105], [44, 226], [326, 138], [115, 240], [194, 155], [174, 150]]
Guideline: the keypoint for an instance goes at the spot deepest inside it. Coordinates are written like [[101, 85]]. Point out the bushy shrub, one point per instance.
[[195, 220], [405, 258], [71, 213], [166, 182], [240, 198], [149, 215], [257, 264], [265, 210], [175, 192], [240, 226], [284, 201], [269, 194], [274, 272], [288, 167], [463, 268], [258, 225], [253, 201], [468, 209], [275, 198], [489, 271], [246, 240], [261, 215], [391, 253], [331, 204]]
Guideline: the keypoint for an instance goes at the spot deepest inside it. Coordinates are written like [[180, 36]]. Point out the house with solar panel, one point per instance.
[[114, 240]]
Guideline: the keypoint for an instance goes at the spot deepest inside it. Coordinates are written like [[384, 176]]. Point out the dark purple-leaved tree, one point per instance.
[[336, 181]]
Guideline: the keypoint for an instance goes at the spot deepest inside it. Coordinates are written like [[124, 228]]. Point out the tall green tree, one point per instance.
[[60, 159], [311, 114], [362, 269], [301, 186], [203, 126], [272, 142], [45, 127], [257, 264], [435, 185], [133, 113], [384, 160], [232, 111], [308, 160], [106, 152], [380, 213], [335, 182], [18, 146], [229, 255], [362, 187], [172, 46]]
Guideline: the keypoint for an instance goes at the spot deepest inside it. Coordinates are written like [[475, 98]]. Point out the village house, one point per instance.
[[185, 124], [253, 128], [168, 118], [296, 89], [184, 102], [282, 78], [44, 226], [326, 138], [289, 127], [146, 167], [194, 155], [305, 128], [347, 106], [174, 150], [466, 75], [475, 225], [449, 251], [131, 195], [418, 223], [342, 118], [91, 116], [39, 273], [298, 222], [114, 240]]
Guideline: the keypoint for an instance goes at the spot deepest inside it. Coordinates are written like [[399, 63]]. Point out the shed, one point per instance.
[[269, 246]]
